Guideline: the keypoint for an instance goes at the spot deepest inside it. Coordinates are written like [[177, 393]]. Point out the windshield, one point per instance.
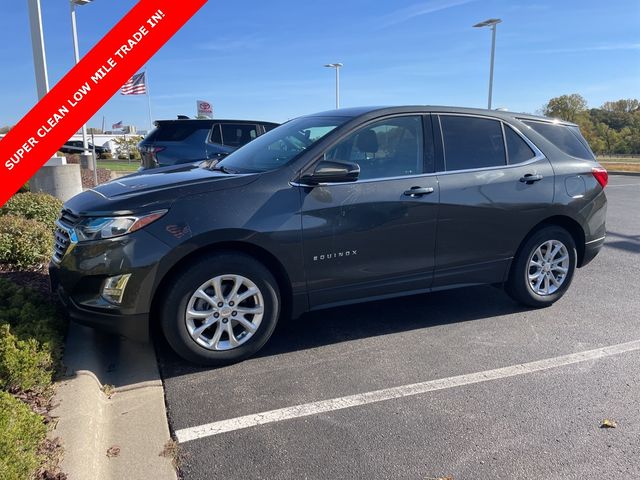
[[280, 146]]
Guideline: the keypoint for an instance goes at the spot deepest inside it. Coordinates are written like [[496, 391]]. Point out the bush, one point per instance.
[[24, 243], [106, 156], [37, 206], [25, 365], [31, 340], [25, 188], [21, 432]]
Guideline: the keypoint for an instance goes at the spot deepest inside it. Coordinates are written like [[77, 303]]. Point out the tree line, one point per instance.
[[614, 128]]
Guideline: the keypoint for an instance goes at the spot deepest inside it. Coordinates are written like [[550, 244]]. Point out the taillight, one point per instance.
[[600, 175]]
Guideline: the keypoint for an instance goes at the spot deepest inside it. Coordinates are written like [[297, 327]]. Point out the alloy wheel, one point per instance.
[[548, 267], [224, 312]]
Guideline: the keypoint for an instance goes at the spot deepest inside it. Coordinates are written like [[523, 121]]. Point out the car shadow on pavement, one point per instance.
[[630, 243], [365, 320]]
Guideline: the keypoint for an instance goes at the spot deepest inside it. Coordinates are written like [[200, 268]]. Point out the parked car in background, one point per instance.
[[192, 140], [329, 209], [75, 146]]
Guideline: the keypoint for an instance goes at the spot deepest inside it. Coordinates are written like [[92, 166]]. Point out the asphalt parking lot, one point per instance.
[[515, 422]]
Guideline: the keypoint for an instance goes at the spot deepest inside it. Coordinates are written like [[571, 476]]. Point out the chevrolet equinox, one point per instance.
[[328, 209]]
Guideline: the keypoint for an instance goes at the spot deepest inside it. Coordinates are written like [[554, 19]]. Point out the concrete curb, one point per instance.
[[132, 417]]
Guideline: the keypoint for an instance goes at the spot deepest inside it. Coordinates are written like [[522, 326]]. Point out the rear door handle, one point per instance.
[[418, 191], [529, 178]]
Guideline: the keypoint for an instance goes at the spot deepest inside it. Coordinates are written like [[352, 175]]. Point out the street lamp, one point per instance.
[[492, 22], [337, 67], [76, 52], [37, 44]]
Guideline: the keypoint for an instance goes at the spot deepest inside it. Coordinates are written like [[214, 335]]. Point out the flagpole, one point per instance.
[[148, 99]]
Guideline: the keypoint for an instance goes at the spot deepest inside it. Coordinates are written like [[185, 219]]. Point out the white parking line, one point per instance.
[[304, 410], [624, 185]]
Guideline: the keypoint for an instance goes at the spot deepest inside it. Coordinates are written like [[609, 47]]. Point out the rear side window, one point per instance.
[[238, 134], [472, 142], [517, 148], [563, 137], [173, 132]]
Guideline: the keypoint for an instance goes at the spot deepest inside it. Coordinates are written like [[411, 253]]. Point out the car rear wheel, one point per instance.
[[221, 309], [543, 268]]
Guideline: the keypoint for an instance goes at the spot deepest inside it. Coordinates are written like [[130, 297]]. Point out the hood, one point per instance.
[[152, 190]]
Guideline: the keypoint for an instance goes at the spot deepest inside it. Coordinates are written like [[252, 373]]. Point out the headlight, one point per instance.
[[99, 228]]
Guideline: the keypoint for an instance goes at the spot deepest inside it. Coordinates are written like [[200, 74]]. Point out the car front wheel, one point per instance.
[[543, 268], [221, 309]]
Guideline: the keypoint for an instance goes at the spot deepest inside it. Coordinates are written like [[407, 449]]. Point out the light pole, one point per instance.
[[76, 53], [37, 44], [492, 22], [337, 67]]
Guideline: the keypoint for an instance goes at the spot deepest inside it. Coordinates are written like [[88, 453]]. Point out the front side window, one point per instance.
[[388, 148], [472, 142], [280, 146]]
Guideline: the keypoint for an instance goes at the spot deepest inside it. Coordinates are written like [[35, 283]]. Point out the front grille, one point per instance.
[[65, 223], [61, 244]]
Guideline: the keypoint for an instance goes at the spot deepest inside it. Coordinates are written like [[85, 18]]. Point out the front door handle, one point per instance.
[[529, 178], [418, 191]]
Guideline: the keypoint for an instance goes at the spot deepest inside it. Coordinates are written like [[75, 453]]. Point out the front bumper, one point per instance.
[[133, 326], [79, 276]]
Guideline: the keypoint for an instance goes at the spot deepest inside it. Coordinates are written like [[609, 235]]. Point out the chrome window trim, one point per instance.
[[538, 154], [433, 174]]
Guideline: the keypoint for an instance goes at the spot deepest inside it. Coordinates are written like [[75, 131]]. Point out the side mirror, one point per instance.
[[332, 172]]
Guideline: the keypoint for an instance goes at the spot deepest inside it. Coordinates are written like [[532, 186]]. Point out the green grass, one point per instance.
[[119, 165]]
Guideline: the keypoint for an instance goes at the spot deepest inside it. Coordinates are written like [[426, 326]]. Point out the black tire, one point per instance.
[[518, 286], [185, 284]]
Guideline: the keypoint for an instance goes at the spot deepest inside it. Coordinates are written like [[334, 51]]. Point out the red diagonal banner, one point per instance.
[[87, 87]]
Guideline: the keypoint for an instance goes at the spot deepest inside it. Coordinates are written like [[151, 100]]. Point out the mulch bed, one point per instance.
[[36, 278], [104, 176]]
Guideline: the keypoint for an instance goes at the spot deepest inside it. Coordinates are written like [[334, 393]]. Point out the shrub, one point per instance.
[[31, 315], [106, 156], [37, 206], [25, 365], [21, 432], [25, 188], [23, 242]]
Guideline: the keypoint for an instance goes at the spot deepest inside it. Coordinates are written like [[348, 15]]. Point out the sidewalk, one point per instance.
[[110, 411]]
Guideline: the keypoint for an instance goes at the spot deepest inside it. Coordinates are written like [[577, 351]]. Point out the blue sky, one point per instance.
[[263, 59]]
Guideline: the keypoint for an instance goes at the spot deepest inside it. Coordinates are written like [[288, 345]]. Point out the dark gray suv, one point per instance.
[[329, 209]]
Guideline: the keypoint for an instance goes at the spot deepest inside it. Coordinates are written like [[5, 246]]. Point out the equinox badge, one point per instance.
[[329, 256]]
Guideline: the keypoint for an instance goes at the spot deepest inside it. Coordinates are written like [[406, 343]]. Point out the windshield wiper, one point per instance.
[[223, 169]]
